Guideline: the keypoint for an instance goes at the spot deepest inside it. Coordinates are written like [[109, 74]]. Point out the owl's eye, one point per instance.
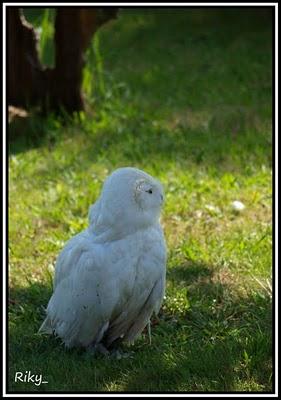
[[149, 191]]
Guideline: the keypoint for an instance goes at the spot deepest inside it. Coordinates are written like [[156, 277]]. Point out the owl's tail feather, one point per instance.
[[46, 327]]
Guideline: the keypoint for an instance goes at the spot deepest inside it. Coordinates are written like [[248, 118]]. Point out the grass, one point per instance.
[[187, 96]]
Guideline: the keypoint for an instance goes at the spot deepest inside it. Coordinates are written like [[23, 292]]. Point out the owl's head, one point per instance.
[[130, 199], [148, 194]]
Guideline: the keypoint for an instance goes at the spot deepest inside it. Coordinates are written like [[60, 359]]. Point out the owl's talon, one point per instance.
[[119, 354], [97, 349]]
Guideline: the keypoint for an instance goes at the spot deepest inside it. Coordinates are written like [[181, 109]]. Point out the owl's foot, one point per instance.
[[99, 348], [118, 354]]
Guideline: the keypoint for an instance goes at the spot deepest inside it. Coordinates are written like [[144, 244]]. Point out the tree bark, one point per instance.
[[25, 75], [29, 83]]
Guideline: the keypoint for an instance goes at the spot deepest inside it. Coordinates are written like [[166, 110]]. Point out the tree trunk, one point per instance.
[[29, 83], [25, 75]]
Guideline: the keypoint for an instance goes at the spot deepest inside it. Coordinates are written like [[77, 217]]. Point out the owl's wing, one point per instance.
[[137, 313], [81, 305], [152, 304]]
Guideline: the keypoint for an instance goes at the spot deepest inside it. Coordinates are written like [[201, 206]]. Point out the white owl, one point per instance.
[[110, 278]]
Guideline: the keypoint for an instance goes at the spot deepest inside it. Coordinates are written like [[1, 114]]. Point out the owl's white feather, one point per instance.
[[110, 278]]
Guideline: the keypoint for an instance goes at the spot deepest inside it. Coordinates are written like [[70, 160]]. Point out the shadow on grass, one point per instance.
[[35, 130], [221, 343], [133, 142], [189, 273]]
